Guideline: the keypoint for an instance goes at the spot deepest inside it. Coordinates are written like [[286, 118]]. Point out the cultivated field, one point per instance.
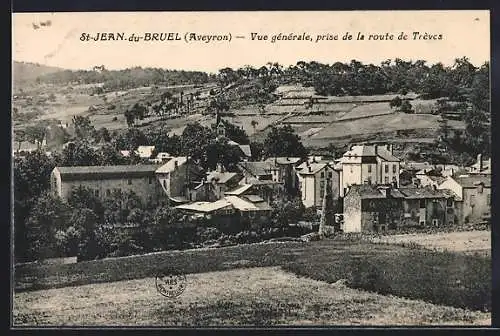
[[252, 296]]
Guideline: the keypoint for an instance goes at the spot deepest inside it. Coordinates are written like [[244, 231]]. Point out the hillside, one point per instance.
[[27, 73]]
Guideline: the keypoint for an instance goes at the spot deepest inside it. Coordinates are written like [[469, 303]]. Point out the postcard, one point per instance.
[[249, 169]]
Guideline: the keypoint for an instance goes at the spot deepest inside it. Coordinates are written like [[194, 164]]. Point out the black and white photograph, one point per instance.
[[251, 169]]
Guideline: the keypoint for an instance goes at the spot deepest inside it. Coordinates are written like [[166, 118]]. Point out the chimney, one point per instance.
[[175, 164], [375, 147], [310, 169], [480, 162], [287, 158]]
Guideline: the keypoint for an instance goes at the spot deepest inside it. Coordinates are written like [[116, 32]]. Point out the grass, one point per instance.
[[448, 278], [35, 277], [265, 296], [441, 277]]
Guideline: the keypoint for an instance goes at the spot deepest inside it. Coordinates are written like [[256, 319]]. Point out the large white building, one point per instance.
[[369, 164], [313, 178]]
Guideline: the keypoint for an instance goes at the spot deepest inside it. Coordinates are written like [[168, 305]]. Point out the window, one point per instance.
[[394, 168], [108, 192], [369, 180], [449, 202], [96, 193], [350, 168], [472, 199], [386, 179], [422, 203], [369, 168], [422, 223], [435, 222], [488, 199], [386, 168], [150, 180], [330, 174], [129, 181], [322, 174]]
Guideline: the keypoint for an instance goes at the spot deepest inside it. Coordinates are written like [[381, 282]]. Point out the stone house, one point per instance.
[[370, 208], [286, 172], [472, 195], [372, 164], [427, 207], [313, 178], [178, 178], [103, 180], [233, 212]]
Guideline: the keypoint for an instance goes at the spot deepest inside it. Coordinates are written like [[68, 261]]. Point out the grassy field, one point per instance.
[[450, 278], [466, 241], [244, 297]]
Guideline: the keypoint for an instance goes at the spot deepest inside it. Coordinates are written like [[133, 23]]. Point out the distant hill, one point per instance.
[[25, 73]]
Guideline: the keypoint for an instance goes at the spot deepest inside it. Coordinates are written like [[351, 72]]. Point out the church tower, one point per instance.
[[219, 125]]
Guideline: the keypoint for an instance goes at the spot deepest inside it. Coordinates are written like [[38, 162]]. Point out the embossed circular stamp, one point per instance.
[[170, 283]]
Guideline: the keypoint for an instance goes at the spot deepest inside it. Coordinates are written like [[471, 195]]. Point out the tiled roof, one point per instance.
[[105, 172], [472, 181], [360, 151], [283, 160], [205, 206], [239, 190], [246, 150], [314, 168], [170, 165], [220, 177], [423, 193], [257, 168]]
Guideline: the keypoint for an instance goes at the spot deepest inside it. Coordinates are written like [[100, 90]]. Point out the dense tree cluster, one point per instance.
[[125, 79]]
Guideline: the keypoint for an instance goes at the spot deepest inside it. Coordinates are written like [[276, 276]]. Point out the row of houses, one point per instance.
[[365, 182]]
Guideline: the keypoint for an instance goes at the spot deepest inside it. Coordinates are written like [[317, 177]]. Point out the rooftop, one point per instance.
[[423, 193], [220, 177], [303, 169], [281, 160], [472, 181], [360, 151], [172, 164], [258, 168], [102, 172]]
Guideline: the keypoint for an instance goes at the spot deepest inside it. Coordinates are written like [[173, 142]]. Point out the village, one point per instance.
[[365, 186]]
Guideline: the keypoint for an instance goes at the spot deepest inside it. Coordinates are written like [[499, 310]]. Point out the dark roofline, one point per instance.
[[106, 172]]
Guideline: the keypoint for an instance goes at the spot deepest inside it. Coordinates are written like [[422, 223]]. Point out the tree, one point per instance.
[[257, 149], [131, 139], [130, 117], [219, 151], [406, 107], [31, 178], [236, 133], [83, 127], [194, 140], [395, 102], [109, 156], [254, 124], [35, 134], [85, 198], [282, 141], [102, 134], [49, 215], [79, 153], [84, 220]]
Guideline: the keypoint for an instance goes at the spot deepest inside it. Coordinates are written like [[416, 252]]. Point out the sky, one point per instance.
[[464, 33]]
